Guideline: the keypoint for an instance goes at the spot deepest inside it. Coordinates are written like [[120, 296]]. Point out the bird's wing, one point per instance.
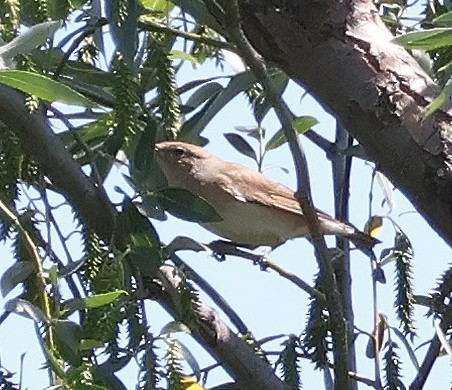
[[263, 191], [237, 182]]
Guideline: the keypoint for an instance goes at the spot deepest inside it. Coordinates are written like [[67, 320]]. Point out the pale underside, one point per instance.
[[262, 214]]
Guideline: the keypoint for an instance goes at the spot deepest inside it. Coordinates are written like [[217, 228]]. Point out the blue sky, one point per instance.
[[268, 304]]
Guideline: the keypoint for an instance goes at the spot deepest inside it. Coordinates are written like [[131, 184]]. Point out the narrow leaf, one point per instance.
[[30, 39], [407, 345], [428, 40], [241, 145], [67, 336], [239, 83], [185, 205], [43, 87], [14, 275], [443, 339], [26, 309], [181, 243], [440, 101], [444, 20], [182, 55], [174, 327], [388, 190], [98, 300], [204, 93], [300, 124]]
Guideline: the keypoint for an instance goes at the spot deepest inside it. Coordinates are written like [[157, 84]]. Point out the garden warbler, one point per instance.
[[255, 211]]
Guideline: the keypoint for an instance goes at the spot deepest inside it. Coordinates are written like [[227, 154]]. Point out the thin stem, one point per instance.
[[150, 25], [341, 168], [257, 65], [34, 255], [373, 267], [227, 248]]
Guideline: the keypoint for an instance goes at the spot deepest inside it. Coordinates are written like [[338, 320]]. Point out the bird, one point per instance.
[[255, 211]]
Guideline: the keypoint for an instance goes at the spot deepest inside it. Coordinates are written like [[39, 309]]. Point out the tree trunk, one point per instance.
[[341, 52]]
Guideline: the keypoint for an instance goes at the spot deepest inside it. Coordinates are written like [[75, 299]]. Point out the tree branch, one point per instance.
[[341, 52], [235, 356], [39, 141], [254, 61]]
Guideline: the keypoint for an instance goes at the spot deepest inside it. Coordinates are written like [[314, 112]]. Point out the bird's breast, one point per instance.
[[255, 224]]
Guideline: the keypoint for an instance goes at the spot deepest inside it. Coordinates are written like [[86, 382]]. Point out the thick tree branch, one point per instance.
[[44, 146], [235, 356], [39, 141], [342, 54]]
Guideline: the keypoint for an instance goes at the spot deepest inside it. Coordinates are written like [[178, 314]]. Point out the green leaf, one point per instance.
[[144, 150], [67, 337], [26, 42], [182, 243], [196, 83], [134, 227], [147, 259], [185, 205], [93, 301], [96, 94], [99, 300], [162, 6], [43, 87], [150, 207], [26, 309], [90, 344], [300, 124], [182, 55], [241, 145], [428, 40], [14, 275], [444, 20], [206, 92], [356, 151], [440, 101], [195, 125]]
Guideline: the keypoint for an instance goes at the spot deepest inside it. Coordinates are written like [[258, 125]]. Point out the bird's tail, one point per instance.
[[363, 242]]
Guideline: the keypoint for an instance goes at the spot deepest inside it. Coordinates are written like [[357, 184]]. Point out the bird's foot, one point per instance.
[[222, 248]]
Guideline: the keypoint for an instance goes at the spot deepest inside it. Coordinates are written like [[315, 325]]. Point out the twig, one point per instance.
[[432, 353], [157, 27], [373, 267], [39, 141], [227, 248], [341, 169], [213, 294], [34, 255], [257, 65]]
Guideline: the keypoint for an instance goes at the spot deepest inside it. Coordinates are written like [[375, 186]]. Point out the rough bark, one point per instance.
[[340, 51]]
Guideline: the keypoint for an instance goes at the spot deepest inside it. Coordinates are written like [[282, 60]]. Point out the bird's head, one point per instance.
[[179, 159]]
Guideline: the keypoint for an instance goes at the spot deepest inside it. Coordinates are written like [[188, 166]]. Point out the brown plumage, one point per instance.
[[256, 211]]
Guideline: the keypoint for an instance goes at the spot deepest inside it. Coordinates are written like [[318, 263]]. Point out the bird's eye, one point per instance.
[[179, 152]]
